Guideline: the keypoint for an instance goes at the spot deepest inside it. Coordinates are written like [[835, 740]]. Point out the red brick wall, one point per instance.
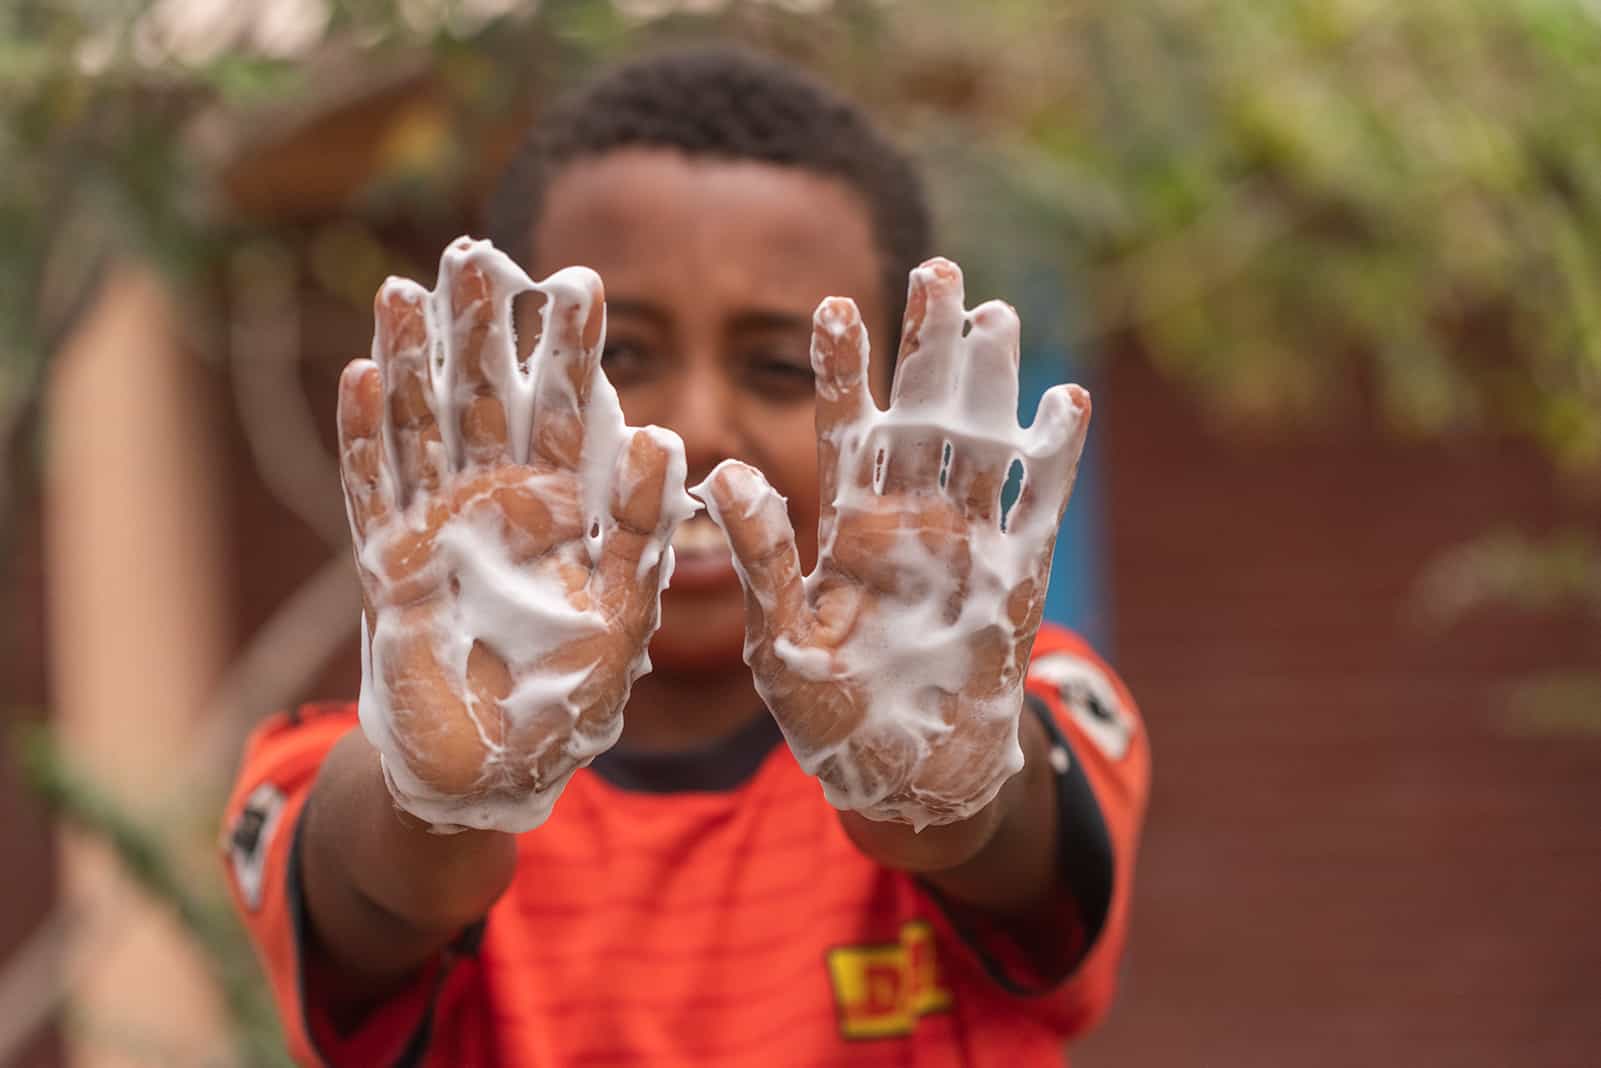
[[1350, 859]]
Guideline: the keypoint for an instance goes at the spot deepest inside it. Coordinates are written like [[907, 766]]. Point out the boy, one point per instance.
[[482, 871]]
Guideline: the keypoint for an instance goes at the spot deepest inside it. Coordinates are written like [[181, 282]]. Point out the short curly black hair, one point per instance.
[[725, 103]]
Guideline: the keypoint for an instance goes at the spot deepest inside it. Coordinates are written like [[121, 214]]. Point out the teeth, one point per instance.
[[699, 535]]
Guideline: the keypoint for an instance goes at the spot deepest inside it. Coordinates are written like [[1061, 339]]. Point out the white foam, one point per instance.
[[910, 656], [521, 610]]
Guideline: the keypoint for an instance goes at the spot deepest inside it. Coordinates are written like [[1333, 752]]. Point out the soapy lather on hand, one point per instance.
[[512, 536], [896, 668]]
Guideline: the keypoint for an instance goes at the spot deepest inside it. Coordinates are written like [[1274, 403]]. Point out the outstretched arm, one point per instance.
[[512, 537], [896, 667]]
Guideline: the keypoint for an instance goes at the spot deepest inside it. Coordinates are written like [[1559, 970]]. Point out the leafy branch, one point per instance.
[[145, 856]]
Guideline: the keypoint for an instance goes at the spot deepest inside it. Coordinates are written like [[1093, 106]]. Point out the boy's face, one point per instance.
[[712, 271]]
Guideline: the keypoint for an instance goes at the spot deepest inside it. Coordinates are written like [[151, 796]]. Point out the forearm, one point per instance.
[[382, 893], [1002, 860]]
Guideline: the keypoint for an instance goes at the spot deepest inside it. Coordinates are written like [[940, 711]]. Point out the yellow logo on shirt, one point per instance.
[[881, 990]]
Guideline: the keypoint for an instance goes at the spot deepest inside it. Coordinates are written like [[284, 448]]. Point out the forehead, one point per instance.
[[701, 233]]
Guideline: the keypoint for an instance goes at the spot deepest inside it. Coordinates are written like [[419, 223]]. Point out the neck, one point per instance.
[[670, 710]]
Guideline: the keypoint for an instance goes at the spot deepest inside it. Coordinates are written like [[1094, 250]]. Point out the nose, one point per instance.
[[705, 414]]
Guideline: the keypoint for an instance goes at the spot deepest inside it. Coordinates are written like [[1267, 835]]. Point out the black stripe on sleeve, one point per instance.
[[1084, 858], [1084, 845], [416, 1048]]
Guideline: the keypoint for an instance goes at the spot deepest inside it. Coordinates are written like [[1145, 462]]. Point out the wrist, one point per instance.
[[395, 861], [935, 848], [941, 847], [454, 879]]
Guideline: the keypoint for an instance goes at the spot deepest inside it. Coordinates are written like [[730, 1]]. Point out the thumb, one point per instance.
[[753, 518]]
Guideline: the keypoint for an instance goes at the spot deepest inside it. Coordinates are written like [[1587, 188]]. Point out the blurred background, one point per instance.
[[1331, 267]]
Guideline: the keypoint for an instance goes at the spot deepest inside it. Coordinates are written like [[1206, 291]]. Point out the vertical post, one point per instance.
[[137, 635]]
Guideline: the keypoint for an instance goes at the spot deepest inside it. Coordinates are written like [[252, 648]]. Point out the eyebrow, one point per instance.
[[639, 308], [757, 319], [753, 319]]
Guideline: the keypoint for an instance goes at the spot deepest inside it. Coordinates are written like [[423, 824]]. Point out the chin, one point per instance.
[[700, 635]]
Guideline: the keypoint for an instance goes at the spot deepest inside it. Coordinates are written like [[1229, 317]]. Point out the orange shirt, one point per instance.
[[707, 910]]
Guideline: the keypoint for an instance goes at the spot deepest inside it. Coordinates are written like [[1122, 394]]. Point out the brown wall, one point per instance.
[[1350, 858]]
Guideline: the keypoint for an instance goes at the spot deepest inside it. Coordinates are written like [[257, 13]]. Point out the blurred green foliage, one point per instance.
[[1555, 576], [200, 908], [1294, 206], [1558, 573], [1301, 203]]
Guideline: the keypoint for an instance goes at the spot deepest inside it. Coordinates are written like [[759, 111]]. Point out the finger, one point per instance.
[[926, 369], [975, 476], [914, 455], [366, 479], [839, 363], [976, 467], [1055, 441], [989, 372], [865, 468], [753, 518], [400, 347], [481, 358], [628, 575], [566, 363]]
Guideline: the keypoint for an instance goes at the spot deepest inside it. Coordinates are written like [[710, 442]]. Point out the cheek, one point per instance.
[[646, 403], [786, 452]]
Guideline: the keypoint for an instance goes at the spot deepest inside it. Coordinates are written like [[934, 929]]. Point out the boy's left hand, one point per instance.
[[896, 667]]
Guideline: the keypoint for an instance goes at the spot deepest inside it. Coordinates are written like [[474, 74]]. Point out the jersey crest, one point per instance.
[[250, 838], [882, 990], [1089, 697]]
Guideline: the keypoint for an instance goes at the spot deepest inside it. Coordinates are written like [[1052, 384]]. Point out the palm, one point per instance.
[[896, 666], [510, 533]]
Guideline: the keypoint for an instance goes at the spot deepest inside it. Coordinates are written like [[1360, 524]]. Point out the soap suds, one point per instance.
[[487, 579], [913, 740]]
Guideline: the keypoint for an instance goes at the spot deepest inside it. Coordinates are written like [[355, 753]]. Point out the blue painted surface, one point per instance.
[[1077, 596]]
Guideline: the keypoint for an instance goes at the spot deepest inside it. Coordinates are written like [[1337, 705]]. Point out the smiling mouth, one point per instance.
[[699, 536], [701, 555]]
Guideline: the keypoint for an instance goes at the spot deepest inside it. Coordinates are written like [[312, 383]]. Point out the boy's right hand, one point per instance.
[[511, 534]]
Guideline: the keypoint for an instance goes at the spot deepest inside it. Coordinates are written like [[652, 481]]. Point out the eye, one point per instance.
[[779, 374], [624, 360]]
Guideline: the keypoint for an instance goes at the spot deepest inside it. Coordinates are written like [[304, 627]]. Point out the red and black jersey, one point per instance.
[[706, 909]]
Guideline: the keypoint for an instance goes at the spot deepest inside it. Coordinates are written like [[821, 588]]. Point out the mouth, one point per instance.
[[702, 559]]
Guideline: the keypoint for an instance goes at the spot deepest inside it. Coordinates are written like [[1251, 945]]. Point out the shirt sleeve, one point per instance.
[[261, 853], [1101, 760]]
